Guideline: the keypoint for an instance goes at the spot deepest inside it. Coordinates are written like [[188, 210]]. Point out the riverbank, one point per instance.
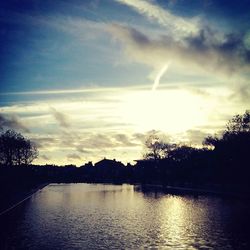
[[178, 190], [15, 200]]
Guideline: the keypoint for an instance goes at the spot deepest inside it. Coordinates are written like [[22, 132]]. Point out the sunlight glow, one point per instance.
[[172, 111]]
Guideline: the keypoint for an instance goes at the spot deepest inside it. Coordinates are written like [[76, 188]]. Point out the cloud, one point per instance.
[[73, 156], [159, 76], [163, 16], [99, 141], [241, 93], [61, 118], [196, 136], [80, 149], [12, 122], [63, 91], [125, 140], [45, 157], [207, 51], [44, 142], [142, 137]]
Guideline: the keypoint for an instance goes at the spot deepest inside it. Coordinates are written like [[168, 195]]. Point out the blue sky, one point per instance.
[[76, 76]]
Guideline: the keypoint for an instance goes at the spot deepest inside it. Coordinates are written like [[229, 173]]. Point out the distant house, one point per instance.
[[87, 165], [108, 170], [106, 163]]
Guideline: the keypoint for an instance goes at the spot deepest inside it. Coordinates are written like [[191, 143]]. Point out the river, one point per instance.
[[97, 216]]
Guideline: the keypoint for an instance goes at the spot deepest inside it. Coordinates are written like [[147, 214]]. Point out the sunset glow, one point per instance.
[[172, 111]]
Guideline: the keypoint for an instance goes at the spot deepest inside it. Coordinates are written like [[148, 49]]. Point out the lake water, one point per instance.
[[96, 216]]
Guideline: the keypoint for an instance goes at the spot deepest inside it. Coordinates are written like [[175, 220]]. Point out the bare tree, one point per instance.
[[16, 149]]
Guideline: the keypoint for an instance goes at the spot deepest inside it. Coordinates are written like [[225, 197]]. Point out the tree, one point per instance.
[[231, 150], [182, 153], [211, 141], [156, 148], [239, 123], [237, 130], [16, 149]]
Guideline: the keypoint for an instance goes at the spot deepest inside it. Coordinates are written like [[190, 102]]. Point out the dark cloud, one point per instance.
[[140, 137], [60, 118], [208, 50], [100, 141], [229, 47], [125, 140], [138, 36], [81, 149], [12, 122], [44, 142]]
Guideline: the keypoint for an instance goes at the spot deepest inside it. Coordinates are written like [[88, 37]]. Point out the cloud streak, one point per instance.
[[73, 156], [163, 16], [159, 76], [60, 118]]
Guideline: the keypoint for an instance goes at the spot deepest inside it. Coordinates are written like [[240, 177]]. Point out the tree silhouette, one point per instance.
[[231, 150], [237, 130], [16, 149], [239, 123], [156, 148], [182, 153]]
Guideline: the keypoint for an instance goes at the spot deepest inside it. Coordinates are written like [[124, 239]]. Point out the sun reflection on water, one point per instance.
[[173, 221]]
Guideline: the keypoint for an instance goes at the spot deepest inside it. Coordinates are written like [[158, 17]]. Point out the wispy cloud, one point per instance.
[[12, 122], [61, 118], [58, 91], [73, 156], [44, 142], [196, 136], [86, 90], [163, 17]]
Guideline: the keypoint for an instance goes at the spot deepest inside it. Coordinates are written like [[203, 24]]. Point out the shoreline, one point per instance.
[[177, 190], [22, 198]]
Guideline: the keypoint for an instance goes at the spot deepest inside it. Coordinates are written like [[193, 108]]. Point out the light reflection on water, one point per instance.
[[89, 216]]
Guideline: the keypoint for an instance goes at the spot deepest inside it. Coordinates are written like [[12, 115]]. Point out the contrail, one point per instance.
[[158, 77]]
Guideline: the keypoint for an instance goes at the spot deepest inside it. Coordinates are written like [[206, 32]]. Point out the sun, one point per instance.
[[172, 111]]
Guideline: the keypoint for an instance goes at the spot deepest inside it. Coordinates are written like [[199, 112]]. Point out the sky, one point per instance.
[[88, 79]]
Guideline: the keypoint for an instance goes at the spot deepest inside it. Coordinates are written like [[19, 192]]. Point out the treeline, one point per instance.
[[222, 163]]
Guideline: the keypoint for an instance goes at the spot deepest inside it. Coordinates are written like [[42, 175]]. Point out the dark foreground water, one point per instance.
[[88, 216]]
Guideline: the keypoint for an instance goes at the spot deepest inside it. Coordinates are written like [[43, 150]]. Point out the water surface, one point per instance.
[[96, 216]]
